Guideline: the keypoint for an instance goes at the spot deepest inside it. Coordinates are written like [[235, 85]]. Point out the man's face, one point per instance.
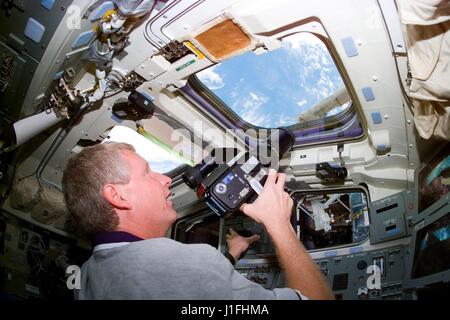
[[149, 193]]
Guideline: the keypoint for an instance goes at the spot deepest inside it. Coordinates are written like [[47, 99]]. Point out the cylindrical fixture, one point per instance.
[[30, 127]]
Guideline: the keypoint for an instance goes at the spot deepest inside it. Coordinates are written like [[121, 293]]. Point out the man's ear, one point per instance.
[[114, 195]]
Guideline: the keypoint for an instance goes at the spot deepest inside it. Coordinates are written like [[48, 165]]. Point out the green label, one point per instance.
[[187, 64]]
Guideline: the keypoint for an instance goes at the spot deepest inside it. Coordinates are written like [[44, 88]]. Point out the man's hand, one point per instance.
[[238, 244], [273, 207]]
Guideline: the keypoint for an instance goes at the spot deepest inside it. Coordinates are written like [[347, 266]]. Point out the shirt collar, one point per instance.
[[114, 237]]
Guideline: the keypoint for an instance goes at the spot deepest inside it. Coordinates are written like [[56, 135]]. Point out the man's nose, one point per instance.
[[166, 181]]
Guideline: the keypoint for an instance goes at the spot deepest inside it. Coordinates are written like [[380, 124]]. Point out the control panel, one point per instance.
[[387, 218], [16, 71], [29, 25], [33, 261], [376, 274], [26, 29], [265, 272], [259, 263], [369, 275]]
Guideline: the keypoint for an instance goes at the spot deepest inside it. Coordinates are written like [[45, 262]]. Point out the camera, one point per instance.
[[331, 173], [228, 177]]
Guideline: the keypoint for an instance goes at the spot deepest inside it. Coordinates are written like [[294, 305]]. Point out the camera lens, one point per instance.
[[277, 144], [286, 140], [192, 177]]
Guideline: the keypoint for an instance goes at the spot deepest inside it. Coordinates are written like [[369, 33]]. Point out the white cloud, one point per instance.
[[297, 41], [249, 109], [210, 78], [315, 62], [310, 49], [284, 120], [325, 85], [301, 103], [254, 117]]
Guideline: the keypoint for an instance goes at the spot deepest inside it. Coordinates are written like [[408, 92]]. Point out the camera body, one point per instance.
[[331, 173], [227, 178], [232, 184]]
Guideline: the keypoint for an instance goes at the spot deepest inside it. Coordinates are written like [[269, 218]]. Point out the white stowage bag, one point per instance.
[[46, 204], [25, 192], [50, 206], [426, 27]]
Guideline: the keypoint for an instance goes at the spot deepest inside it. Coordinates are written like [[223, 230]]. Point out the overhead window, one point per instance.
[[163, 160], [160, 156], [296, 86]]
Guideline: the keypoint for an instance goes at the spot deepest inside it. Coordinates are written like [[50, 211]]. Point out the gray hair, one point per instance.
[[84, 177]]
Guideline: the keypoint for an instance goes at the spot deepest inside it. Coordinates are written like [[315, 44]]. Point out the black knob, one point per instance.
[[362, 264]]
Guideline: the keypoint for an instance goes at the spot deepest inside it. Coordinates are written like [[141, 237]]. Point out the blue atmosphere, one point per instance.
[[274, 88]]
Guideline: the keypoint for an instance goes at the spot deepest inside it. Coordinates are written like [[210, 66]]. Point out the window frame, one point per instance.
[[214, 107], [347, 189]]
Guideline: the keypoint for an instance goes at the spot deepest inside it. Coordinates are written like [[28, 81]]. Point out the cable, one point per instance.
[[43, 158], [56, 142]]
